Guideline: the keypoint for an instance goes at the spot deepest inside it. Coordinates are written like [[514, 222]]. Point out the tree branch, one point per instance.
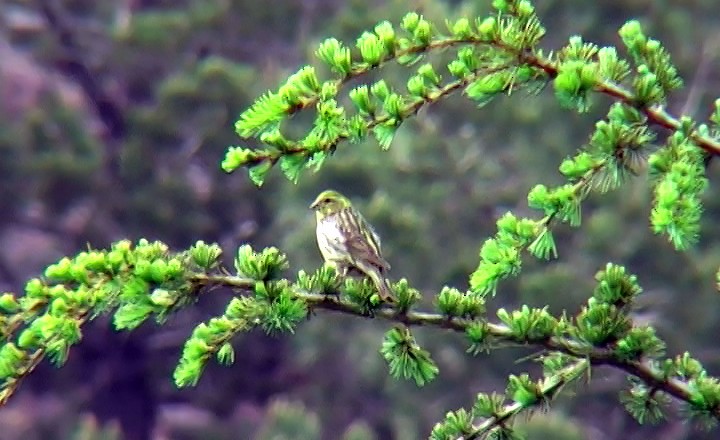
[[500, 334], [656, 114]]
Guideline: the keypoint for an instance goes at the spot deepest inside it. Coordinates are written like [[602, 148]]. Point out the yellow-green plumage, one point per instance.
[[347, 241]]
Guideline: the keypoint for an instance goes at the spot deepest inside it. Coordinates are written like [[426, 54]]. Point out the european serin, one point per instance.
[[347, 241]]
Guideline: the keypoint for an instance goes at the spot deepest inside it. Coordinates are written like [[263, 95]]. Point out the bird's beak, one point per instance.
[[314, 204]]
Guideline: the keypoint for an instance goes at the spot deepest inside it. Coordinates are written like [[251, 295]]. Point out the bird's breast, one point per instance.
[[329, 231]]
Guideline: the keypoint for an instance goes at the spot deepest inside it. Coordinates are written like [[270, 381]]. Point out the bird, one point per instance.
[[348, 242]]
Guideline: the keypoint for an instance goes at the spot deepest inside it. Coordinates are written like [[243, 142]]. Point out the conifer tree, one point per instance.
[[490, 57]]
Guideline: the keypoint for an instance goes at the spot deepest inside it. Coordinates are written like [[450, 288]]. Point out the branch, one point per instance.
[[500, 334], [546, 390], [137, 282], [655, 113], [499, 56]]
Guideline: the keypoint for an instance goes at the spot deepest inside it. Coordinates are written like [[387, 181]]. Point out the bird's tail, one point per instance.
[[383, 287]]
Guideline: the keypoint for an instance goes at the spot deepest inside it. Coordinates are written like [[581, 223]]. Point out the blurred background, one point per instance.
[[115, 115]]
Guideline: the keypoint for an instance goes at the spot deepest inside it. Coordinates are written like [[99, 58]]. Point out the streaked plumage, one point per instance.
[[347, 241]]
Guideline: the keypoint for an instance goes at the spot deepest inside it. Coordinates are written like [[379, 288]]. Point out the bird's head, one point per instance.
[[329, 202]]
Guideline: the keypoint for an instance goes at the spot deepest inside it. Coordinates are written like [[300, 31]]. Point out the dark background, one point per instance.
[[114, 116]]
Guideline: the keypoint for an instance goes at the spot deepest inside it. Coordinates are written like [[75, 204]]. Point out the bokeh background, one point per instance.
[[114, 116]]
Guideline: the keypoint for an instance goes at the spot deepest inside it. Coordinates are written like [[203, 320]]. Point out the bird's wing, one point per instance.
[[362, 242]]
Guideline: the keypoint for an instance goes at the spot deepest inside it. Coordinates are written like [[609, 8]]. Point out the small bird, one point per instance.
[[347, 241]]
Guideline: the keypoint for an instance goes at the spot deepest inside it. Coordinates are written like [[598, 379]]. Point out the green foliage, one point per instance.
[[644, 403], [495, 411], [500, 256], [679, 173], [602, 332], [406, 295], [377, 108], [325, 280], [272, 308], [453, 303], [529, 324], [406, 359], [134, 281], [263, 266], [491, 60], [205, 256]]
